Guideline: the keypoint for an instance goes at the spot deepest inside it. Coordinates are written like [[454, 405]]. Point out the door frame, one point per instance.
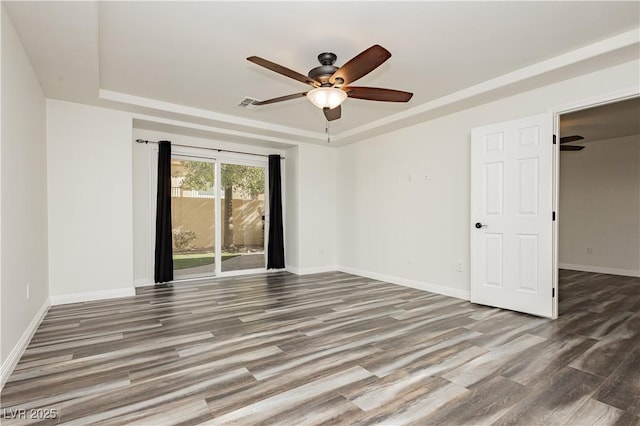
[[557, 111]]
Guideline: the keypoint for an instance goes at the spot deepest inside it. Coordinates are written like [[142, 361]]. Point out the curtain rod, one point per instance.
[[210, 149]]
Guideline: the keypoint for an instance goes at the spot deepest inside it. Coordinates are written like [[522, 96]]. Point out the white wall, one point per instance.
[[23, 200], [142, 228], [89, 175], [403, 197], [403, 205], [290, 206], [317, 187], [144, 167], [600, 207]]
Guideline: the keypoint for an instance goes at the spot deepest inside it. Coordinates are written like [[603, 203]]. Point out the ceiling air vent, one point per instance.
[[249, 103]]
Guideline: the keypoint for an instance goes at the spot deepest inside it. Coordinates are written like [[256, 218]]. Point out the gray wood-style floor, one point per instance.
[[333, 348]]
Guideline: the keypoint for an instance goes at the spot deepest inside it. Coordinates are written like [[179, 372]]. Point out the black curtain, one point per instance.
[[164, 253], [275, 250]]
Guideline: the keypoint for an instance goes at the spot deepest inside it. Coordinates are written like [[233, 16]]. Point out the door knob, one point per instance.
[[479, 225]]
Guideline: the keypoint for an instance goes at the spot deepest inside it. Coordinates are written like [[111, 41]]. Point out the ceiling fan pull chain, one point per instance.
[[326, 130]]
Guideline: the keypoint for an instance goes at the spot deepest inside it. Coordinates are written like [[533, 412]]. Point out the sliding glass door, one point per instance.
[[218, 215], [193, 217], [243, 212]]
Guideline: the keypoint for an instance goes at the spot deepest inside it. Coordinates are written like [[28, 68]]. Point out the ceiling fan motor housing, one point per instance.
[[326, 70]]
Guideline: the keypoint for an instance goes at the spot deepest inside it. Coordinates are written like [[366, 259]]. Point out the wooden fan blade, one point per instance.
[[281, 98], [377, 94], [573, 138], [360, 65], [571, 148], [281, 70], [332, 114]]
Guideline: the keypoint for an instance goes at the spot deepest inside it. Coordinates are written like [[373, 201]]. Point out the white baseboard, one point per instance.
[[433, 288], [16, 353], [142, 282], [92, 295], [314, 270], [600, 269], [292, 269]]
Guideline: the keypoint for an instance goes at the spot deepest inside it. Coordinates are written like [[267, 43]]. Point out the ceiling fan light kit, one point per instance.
[[326, 97], [330, 83]]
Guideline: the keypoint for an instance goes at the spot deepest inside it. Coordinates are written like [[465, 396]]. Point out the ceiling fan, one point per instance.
[[572, 138], [331, 84]]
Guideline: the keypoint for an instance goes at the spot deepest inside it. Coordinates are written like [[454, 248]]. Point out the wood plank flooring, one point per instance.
[[332, 348]]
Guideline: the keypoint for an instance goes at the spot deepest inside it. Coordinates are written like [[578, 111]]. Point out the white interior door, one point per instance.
[[511, 215]]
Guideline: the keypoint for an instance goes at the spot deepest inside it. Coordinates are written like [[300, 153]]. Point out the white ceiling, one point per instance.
[[608, 121], [186, 61]]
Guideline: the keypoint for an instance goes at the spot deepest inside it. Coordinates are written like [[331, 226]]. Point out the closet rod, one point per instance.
[[210, 149]]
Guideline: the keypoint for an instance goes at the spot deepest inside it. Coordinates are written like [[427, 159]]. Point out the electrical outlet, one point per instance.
[[459, 266], [28, 285], [589, 250]]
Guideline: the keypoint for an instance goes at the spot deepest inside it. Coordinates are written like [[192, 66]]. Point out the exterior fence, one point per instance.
[[197, 215]]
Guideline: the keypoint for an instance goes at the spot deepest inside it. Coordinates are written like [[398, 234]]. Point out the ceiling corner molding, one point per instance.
[[154, 104], [612, 44]]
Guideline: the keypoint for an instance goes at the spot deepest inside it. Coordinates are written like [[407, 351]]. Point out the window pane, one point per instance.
[[242, 204], [192, 218]]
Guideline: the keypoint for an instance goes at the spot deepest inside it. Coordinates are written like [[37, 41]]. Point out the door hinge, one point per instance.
[[554, 139], [553, 292]]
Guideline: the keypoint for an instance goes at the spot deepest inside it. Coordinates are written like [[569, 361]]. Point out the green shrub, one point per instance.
[[183, 239]]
